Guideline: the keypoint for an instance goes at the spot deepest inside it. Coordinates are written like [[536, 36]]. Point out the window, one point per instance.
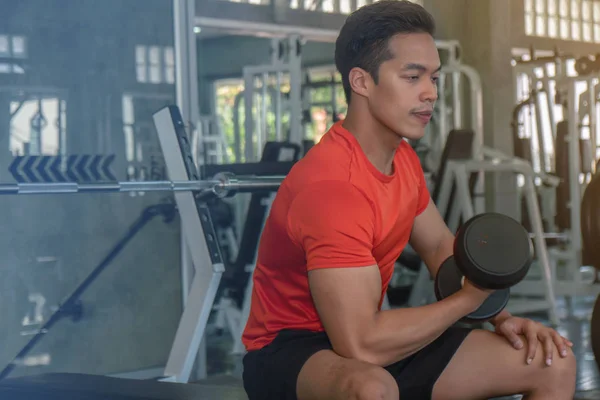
[[13, 49], [577, 20], [155, 64], [38, 124]]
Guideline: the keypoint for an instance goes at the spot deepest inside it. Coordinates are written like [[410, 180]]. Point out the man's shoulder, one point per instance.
[[327, 161]]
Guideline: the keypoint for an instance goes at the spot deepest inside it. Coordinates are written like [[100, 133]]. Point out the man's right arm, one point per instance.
[[347, 301], [334, 224]]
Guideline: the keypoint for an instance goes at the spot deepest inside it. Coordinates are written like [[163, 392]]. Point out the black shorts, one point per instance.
[[271, 373]]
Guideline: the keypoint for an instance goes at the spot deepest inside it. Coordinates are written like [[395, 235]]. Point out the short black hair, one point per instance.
[[363, 40]]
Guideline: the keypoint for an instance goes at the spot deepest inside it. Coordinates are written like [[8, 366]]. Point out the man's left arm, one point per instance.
[[434, 243]]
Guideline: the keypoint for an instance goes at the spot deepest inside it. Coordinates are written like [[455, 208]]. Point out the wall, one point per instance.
[[84, 52]]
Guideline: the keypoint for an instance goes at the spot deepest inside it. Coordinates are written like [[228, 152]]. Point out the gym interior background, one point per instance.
[[515, 131]]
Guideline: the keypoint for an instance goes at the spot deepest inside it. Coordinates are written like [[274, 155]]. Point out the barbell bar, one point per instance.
[[222, 185]]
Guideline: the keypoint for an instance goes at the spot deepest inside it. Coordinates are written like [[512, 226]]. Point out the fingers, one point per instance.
[[513, 339], [567, 341], [548, 344], [560, 343], [532, 342]]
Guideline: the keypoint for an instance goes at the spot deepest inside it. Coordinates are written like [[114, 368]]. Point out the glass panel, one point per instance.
[[73, 101], [169, 56], [564, 8], [540, 26], [575, 8], [597, 33], [586, 10], [540, 6], [553, 27], [529, 24], [142, 73], [155, 74], [528, 6], [345, 6], [4, 48], [575, 30], [564, 29], [140, 54], [552, 7], [154, 55], [19, 46], [327, 6]]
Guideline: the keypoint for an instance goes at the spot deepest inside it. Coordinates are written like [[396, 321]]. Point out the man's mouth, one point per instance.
[[423, 116]]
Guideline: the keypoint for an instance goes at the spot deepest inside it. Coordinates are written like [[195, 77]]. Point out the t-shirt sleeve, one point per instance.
[[333, 222]]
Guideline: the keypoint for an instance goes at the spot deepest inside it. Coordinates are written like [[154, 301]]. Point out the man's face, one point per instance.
[[404, 97]]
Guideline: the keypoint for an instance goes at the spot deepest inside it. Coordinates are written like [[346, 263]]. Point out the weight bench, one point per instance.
[[95, 387]]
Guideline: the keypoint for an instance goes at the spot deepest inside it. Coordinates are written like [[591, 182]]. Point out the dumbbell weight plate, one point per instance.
[[493, 250], [449, 281]]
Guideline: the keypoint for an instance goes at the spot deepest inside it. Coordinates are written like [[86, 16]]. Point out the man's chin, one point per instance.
[[413, 134]]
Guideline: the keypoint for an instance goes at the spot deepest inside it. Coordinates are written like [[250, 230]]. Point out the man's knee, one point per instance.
[[373, 384], [560, 375], [563, 369]]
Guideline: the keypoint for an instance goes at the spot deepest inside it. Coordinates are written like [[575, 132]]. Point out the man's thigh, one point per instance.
[[327, 376], [417, 374], [271, 373], [300, 365], [486, 365]]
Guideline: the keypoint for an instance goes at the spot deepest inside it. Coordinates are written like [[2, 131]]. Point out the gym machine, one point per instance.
[[561, 140], [457, 177], [453, 197]]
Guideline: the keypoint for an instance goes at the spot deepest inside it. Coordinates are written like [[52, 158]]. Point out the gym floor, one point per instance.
[[226, 369]]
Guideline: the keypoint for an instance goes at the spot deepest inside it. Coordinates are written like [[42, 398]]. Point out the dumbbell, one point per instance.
[[491, 250]]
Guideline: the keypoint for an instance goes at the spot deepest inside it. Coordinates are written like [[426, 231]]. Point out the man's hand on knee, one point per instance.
[[513, 328]]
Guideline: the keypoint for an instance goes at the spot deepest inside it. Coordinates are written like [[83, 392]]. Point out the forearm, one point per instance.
[[434, 259], [398, 333]]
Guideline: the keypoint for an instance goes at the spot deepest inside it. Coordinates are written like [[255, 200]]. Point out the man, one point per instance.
[[340, 220]]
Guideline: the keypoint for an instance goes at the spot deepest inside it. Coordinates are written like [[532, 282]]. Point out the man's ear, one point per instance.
[[360, 81]]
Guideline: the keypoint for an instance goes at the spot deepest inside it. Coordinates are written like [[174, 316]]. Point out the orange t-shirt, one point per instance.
[[333, 210]]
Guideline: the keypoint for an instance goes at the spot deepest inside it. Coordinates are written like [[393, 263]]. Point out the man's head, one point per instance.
[[389, 63]]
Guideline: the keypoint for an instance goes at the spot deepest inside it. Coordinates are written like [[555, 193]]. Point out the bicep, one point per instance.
[[431, 238], [346, 299], [333, 223]]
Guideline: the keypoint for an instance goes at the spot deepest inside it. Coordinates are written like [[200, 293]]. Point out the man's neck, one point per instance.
[[377, 142]]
